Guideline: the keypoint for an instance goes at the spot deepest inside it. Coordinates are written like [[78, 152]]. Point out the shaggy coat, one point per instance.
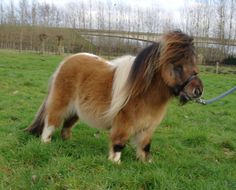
[[127, 96]]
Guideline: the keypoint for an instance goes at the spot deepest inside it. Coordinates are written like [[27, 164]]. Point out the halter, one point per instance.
[[178, 88]]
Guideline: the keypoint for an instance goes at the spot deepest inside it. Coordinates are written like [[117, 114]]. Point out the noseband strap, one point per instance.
[[178, 88]]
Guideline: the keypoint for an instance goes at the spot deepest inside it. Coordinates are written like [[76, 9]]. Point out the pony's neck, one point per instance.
[[158, 92]]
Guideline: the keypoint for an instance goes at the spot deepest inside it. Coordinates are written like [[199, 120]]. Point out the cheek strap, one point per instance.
[[178, 88]]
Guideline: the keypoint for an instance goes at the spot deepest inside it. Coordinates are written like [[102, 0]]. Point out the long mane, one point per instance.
[[143, 69], [132, 75]]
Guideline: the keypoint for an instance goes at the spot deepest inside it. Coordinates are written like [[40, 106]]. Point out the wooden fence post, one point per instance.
[[217, 67]]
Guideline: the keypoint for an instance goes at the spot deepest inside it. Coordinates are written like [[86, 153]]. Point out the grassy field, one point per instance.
[[194, 147]]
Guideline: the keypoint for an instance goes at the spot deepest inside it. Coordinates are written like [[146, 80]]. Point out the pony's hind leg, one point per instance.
[[57, 109], [67, 126], [59, 100], [52, 121]]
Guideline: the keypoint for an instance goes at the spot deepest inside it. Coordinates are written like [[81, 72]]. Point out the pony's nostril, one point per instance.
[[200, 92], [197, 92]]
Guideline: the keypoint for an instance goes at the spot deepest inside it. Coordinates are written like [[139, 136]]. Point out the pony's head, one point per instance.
[[171, 61], [178, 66]]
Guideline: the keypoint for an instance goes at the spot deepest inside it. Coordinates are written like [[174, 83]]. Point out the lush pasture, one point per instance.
[[194, 147]]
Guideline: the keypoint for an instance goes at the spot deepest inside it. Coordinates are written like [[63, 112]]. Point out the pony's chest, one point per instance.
[[143, 117]]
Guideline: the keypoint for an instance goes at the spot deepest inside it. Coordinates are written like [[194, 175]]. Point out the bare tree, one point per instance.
[[71, 15], [11, 14], [232, 6], [24, 19], [34, 13], [221, 13], [109, 13], [90, 15], [44, 14], [42, 38], [83, 14], [220, 29], [168, 23], [60, 46], [2, 13], [100, 16], [24, 12], [137, 21]]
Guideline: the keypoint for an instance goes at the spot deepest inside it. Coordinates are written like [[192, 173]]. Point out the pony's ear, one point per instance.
[[188, 42], [191, 40]]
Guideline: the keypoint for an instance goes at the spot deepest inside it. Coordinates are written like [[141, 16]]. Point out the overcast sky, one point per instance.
[[169, 5], [173, 7], [166, 4]]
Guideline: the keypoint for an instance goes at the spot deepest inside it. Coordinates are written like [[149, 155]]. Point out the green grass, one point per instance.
[[194, 147]]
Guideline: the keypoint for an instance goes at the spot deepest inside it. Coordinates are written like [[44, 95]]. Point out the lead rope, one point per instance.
[[206, 102]]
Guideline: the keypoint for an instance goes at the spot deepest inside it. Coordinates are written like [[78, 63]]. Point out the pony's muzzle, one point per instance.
[[197, 92], [194, 88]]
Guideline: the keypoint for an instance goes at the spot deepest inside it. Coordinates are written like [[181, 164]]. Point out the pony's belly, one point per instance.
[[92, 119]]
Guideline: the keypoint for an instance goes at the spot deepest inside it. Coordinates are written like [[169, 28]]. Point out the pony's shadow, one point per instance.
[[85, 143], [88, 143], [91, 143]]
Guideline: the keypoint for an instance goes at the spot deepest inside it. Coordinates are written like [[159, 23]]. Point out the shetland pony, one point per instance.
[[127, 96]]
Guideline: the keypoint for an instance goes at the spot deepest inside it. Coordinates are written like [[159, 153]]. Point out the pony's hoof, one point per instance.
[[149, 160], [115, 157], [65, 134], [145, 159], [46, 140], [118, 162], [97, 135]]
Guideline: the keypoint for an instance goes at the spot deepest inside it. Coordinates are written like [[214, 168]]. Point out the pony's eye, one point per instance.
[[178, 68]]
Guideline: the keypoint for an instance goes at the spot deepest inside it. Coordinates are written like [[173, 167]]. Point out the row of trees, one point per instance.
[[208, 18], [90, 14]]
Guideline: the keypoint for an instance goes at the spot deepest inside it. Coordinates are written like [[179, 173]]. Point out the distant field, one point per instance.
[[194, 147]]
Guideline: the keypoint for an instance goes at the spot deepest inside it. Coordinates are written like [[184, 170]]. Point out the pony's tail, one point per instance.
[[36, 128]]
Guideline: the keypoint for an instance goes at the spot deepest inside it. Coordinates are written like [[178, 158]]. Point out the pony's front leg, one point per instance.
[[143, 142], [119, 135]]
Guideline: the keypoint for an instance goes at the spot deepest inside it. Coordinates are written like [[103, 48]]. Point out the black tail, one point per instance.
[[36, 128]]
